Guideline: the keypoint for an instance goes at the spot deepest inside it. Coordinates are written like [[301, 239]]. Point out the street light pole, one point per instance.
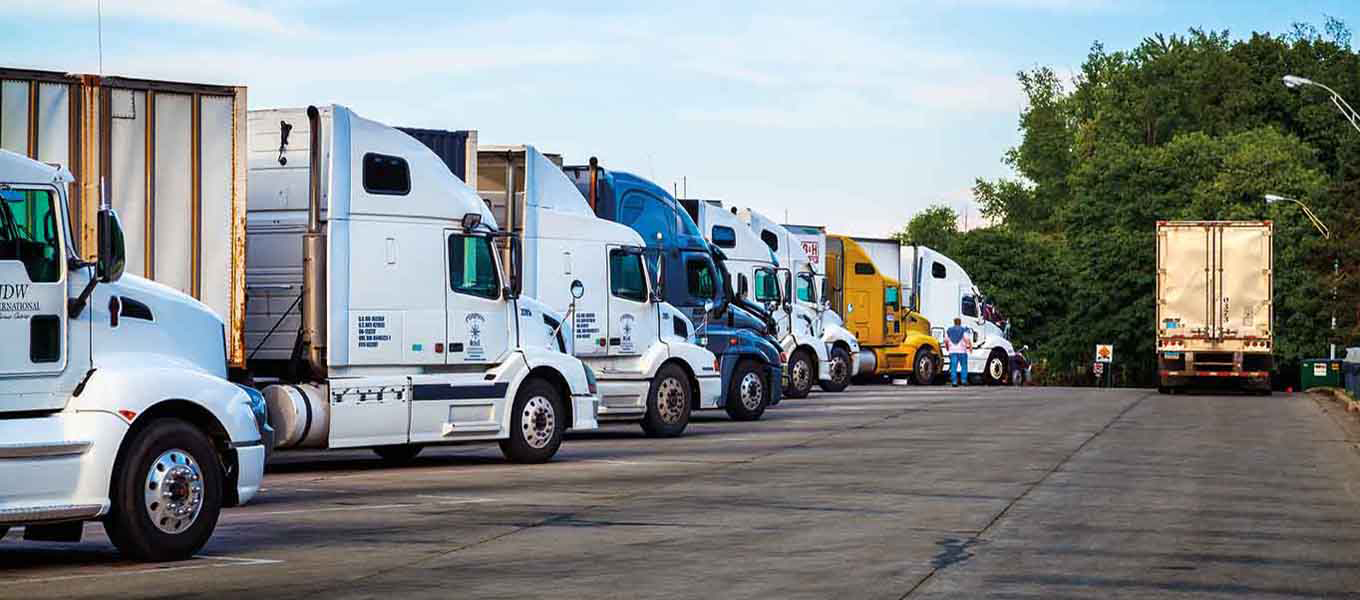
[[1336, 262], [1295, 82]]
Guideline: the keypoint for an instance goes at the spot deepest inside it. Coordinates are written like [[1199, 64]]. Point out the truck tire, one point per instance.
[[166, 493], [748, 393], [994, 372], [838, 371], [923, 366], [398, 454], [668, 403], [537, 422], [801, 374]]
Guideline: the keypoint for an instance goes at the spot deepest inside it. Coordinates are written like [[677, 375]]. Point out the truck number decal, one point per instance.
[[372, 331], [587, 327]]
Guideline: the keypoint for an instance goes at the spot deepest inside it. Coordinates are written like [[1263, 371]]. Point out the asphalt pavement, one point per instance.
[[879, 492]]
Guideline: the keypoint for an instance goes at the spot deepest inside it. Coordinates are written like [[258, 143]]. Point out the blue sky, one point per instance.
[[854, 115]]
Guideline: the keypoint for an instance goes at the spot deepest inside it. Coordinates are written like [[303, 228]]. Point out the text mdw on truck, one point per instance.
[[380, 314], [114, 402], [1215, 304]]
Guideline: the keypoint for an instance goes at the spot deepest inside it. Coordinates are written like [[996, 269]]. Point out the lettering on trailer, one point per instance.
[[626, 326], [475, 350], [587, 326], [813, 250], [14, 301], [372, 331]]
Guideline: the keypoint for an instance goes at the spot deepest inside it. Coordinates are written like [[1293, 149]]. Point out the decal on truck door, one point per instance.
[[475, 350], [626, 327]]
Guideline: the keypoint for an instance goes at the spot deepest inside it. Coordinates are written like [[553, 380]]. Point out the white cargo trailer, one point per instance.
[[1215, 303], [172, 156]]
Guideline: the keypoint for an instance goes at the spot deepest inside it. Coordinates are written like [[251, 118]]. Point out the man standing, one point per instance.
[[958, 344]]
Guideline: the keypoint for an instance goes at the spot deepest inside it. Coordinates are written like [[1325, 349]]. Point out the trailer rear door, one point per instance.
[[1183, 279], [1244, 280]]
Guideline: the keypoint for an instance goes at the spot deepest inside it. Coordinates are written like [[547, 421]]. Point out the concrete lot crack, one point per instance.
[[955, 550]]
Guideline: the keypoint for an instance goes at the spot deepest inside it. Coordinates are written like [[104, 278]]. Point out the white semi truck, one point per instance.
[[380, 314], [593, 270], [811, 310], [770, 285], [114, 402], [941, 291]]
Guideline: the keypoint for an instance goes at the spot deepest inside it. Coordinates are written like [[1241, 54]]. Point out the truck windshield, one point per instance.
[[766, 286], [700, 279], [472, 268], [28, 233], [626, 278]]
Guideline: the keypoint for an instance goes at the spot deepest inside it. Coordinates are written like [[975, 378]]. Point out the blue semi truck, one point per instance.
[[694, 280]]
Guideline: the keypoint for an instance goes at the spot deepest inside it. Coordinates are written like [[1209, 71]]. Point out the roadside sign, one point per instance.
[[1104, 353], [1099, 369]]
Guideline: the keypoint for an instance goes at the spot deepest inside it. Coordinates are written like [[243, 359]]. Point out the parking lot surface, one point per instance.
[[880, 492]]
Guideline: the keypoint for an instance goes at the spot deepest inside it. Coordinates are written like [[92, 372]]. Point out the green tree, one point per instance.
[[1192, 126], [935, 227]]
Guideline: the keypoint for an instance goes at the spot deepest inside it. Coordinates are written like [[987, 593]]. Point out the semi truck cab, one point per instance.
[[772, 287], [594, 271], [114, 402], [894, 340], [941, 290], [380, 313], [691, 272]]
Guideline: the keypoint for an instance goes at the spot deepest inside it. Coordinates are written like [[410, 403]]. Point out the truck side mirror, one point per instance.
[[516, 286], [659, 289], [112, 257], [742, 285], [578, 289]]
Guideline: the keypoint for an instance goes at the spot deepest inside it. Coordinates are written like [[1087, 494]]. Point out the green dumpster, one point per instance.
[[1320, 372]]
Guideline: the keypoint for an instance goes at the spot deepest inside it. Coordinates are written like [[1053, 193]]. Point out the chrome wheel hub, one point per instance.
[[670, 400], [840, 369], [996, 370], [752, 391], [538, 422], [174, 491], [800, 375]]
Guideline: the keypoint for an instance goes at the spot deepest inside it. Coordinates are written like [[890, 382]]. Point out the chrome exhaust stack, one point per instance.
[[314, 259]]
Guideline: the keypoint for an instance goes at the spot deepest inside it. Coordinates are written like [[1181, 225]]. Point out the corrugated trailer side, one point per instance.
[[172, 156]]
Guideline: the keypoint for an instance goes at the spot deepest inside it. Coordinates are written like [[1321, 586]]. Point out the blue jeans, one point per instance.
[[958, 368]]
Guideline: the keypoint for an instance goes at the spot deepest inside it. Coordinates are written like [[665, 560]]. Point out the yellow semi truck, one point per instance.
[[893, 339]]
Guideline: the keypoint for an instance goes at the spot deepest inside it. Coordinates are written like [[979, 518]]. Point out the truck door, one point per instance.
[[1183, 274], [632, 324], [478, 326], [33, 292], [1243, 283]]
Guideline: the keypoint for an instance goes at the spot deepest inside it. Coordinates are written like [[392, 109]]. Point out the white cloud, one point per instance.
[[229, 14]]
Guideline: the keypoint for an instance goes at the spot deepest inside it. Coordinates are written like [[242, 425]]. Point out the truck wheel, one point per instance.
[[801, 374], [536, 424], [166, 493], [838, 370], [994, 373], [749, 392], [398, 454], [668, 403], [923, 368]]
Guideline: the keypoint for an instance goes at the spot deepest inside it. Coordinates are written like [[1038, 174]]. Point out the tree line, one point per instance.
[[1183, 127]]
